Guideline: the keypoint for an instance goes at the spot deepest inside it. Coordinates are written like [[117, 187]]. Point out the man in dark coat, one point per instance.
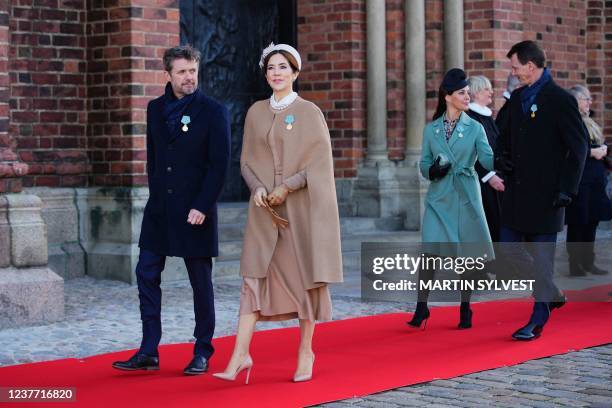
[[542, 149], [188, 149]]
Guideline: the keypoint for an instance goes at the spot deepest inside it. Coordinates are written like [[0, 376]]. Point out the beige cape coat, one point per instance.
[[312, 211]]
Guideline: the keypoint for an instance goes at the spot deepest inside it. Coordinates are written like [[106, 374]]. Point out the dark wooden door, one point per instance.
[[231, 34]]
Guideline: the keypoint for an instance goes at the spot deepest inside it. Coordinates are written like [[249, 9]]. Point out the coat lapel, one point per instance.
[[460, 130], [440, 137]]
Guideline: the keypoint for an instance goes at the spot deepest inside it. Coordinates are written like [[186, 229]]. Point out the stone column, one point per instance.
[[415, 111], [375, 191], [415, 78], [377, 82], [453, 34]]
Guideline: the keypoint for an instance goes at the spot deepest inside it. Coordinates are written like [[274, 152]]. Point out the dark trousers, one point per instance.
[[535, 258], [148, 275], [581, 242]]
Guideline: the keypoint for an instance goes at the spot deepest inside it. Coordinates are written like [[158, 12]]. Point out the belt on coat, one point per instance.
[[464, 175]]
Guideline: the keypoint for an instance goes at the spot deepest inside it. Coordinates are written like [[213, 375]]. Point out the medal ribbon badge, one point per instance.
[[289, 120], [185, 120], [460, 129], [533, 109]]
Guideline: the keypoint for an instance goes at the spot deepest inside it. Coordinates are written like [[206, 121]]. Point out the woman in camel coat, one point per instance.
[[287, 163]]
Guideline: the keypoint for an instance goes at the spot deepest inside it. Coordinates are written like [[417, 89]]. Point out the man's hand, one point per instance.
[[599, 152], [195, 217], [497, 183], [278, 195], [562, 200], [260, 197]]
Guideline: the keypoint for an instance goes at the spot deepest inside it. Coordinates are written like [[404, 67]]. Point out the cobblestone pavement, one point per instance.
[[103, 316]]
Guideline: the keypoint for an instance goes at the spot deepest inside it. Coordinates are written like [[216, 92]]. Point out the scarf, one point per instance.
[[174, 108], [529, 94], [595, 134], [481, 110]]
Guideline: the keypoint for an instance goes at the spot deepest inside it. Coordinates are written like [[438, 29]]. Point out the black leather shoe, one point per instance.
[[576, 269], [557, 303], [529, 332], [138, 362], [595, 270], [197, 366]]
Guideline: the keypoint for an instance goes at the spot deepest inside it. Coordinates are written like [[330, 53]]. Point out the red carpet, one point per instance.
[[354, 357]]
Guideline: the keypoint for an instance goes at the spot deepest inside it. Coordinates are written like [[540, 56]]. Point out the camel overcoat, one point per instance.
[[312, 211]]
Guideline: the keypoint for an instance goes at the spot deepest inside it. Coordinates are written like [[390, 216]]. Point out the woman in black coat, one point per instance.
[[592, 203], [491, 184]]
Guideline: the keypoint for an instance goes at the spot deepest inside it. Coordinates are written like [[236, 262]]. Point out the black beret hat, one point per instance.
[[454, 79]]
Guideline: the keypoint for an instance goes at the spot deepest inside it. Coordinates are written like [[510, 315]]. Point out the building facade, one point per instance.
[[76, 77]]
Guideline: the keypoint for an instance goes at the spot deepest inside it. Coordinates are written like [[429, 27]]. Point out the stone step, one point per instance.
[[231, 250]]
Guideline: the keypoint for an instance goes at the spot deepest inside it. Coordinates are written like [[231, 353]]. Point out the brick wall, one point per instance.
[[607, 80], [434, 52], [47, 90], [491, 28], [331, 40], [596, 57], [8, 158], [125, 47], [77, 75]]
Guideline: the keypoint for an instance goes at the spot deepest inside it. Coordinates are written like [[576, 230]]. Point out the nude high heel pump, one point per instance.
[[305, 377], [247, 364]]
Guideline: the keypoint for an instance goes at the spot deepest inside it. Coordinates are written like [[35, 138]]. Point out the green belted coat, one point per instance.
[[453, 205]]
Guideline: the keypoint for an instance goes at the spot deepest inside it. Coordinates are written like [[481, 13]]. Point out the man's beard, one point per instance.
[[188, 89]]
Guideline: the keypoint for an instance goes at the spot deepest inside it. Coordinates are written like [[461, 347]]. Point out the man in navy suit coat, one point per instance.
[[541, 149], [188, 154]]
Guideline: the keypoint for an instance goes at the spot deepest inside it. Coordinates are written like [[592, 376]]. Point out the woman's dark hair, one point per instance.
[[292, 62], [528, 51], [441, 108]]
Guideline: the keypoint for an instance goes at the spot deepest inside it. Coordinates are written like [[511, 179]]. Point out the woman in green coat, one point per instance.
[[454, 223]]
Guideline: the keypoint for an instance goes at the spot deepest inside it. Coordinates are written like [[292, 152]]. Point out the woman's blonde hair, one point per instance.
[[595, 131], [478, 83]]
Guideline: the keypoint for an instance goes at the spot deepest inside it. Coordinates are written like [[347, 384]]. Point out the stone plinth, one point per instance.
[[30, 292], [110, 223]]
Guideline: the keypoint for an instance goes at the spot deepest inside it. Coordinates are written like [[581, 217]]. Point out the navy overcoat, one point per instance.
[[185, 171], [548, 150]]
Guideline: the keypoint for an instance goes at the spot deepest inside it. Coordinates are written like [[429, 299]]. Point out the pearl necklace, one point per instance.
[[283, 103]]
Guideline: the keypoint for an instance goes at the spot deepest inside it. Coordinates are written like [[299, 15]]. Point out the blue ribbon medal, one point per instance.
[[185, 120], [289, 120]]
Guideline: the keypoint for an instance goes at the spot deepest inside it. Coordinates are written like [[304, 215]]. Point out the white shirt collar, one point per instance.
[[283, 103], [483, 110]]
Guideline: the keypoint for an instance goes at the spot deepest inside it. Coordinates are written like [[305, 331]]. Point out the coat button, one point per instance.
[[169, 191], [169, 169], [170, 147]]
